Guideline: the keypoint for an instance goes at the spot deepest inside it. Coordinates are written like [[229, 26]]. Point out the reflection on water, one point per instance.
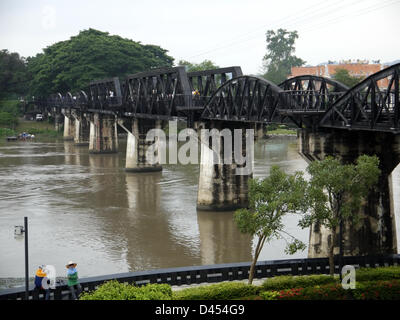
[[87, 208], [220, 240]]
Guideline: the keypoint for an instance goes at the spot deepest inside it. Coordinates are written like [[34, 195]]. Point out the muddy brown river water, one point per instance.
[[87, 208]]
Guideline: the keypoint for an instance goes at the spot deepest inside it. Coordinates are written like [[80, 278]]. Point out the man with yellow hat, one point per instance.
[[73, 281]]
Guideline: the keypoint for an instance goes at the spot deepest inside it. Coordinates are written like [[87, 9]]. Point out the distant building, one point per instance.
[[327, 70]]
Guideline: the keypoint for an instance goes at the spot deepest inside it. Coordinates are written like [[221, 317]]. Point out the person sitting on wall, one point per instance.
[[42, 282]]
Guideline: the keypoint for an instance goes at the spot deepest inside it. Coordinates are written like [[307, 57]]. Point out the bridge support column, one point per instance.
[[69, 127], [376, 232], [137, 146], [57, 121], [82, 131], [103, 134], [259, 130], [223, 186]]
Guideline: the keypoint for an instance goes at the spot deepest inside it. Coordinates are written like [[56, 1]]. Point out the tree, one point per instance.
[[344, 76], [279, 59], [270, 200], [335, 193], [13, 74], [70, 65], [191, 67]]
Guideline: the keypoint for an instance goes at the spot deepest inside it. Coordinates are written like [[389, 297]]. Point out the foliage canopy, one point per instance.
[[279, 58], [270, 200], [336, 191], [70, 65], [13, 74], [191, 67], [343, 76]]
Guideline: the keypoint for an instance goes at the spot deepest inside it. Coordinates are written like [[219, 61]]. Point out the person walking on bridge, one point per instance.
[[73, 280]]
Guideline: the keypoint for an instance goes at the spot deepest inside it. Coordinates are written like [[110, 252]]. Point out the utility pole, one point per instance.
[[340, 248], [26, 259]]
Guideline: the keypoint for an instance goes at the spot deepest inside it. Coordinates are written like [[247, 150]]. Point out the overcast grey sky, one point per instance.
[[228, 32]]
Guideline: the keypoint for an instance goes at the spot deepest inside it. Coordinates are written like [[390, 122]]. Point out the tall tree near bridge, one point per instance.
[[279, 59], [270, 200], [70, 65], [335, 194]]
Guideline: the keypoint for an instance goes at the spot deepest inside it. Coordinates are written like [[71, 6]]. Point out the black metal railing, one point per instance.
[[209, 274]]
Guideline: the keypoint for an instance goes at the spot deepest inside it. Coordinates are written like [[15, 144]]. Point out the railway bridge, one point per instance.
[[332, 120]]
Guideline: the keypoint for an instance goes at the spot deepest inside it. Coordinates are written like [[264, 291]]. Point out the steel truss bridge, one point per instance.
[[227, 95]]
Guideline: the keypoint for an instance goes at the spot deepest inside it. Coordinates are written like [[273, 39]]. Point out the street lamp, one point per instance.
[[19, 230], [340, 248]]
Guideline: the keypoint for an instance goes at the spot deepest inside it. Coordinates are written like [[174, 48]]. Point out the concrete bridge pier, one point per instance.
[[69, 127], [82, 130], [103, 136], [259, 130], [137, 147], [223, 185], [57, 121], [376, 232]]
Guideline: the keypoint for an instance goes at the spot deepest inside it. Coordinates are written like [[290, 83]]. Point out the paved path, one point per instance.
[[256, 282]]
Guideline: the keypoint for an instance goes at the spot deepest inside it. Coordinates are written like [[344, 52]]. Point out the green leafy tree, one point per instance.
[[13, 74], [191, 67], [279, 59], [270, 200], [344, 76], [70, 65], [335, 193], [205, 65], [8, 120]]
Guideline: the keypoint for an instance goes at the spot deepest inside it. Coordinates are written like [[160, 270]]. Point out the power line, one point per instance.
[[362, 12], [308, 18], [290, 17]]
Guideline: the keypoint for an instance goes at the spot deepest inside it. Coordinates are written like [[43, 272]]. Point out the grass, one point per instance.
[[281, 131], [38, 128]]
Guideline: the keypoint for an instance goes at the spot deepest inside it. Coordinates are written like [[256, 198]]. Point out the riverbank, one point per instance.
[[281, 132], [38, 128]]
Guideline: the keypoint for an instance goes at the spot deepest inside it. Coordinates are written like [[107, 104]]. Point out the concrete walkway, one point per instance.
[[256, 282]]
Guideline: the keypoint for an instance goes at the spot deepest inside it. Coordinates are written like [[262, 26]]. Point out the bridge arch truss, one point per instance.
[[373, 104], [244, 99]]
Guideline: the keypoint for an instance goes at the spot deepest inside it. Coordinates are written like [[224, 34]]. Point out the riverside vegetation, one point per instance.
[[381, 283], [12, 123]]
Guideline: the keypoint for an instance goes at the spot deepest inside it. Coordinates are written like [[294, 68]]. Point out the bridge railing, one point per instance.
[[210, 274], [308, 100]]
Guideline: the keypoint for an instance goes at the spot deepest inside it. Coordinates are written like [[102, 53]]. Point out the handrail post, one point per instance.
[[26, 259]]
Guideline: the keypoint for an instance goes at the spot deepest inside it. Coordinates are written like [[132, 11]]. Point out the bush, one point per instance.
[[369, 290], [221, 291], [377, 290], [326, 292], [288, 282], [113, 290], [5, 132], [381, 273], [269, 295], [8, 120], [10, 106], [272, 126]]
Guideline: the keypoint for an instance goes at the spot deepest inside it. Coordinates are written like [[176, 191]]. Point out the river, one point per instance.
[[86, 208]]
